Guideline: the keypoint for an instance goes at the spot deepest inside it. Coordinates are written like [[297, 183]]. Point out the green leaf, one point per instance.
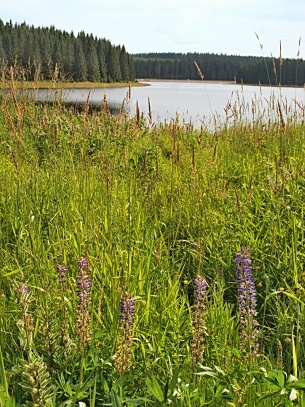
[[3, 382], [104, 384], [174, 381], [165, 392], [265, 396], [207, 371], [273, 382], [154, 388], [281, 378], [68, 389], [138, 401], [210, 374], [115, 401], [218, 370], [299, 384]]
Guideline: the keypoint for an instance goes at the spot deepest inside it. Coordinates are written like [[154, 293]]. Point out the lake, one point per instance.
[[196, 102]]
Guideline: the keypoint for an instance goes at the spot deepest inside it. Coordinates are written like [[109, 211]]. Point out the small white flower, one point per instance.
[[293, 395]]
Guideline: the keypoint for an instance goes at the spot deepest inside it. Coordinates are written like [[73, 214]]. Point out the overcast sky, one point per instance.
[[218, 26]]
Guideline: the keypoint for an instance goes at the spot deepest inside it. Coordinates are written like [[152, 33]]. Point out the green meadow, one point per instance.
[[150, 207]]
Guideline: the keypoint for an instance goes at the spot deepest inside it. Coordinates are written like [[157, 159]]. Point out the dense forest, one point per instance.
[[43, 52], [246, 69]]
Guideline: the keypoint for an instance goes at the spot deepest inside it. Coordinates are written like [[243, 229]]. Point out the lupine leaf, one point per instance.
[[115, 401]]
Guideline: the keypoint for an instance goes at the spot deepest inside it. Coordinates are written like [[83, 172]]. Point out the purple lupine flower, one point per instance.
[[126, 321], [83, 263], [24, 289], [198, 318], [127, 310], [25, 293], [84, 303], [62, 273], [247, 302], [200, 289]]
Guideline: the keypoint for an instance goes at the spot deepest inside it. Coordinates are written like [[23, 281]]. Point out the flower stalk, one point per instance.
[[84, 304], [198, 320], [125, 338], [62, 273], [247, 304]]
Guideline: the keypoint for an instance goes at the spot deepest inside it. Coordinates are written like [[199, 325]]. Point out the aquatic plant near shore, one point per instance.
[[125, 339], [198, 321], [247, 303]]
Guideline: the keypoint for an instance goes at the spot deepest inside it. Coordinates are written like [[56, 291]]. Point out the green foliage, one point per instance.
[[243, 69], [151, 208], [46, 53]]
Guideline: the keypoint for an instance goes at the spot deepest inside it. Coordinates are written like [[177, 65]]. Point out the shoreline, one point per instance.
[[141, 80], [69, 85]]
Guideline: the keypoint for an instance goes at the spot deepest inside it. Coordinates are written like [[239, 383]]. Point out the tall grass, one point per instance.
[[151, 208]]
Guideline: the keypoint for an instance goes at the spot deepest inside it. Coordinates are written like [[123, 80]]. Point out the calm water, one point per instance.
[[195, 102]]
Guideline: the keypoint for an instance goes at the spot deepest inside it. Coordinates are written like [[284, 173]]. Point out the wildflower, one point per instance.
[[25, 322], [62, 279], [200, 289], [83, 263], [62, 273], [125, 338], [247, 302], [84, 303], [23, 289], [36, 380]]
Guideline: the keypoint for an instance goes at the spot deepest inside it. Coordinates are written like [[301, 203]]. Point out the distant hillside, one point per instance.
[[45, 51], [252, 70]]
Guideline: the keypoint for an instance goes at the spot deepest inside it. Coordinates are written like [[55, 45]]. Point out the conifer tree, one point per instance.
[[124, 65], [93, 65], [101, 50], [80, 65], [82, 58], [114, 65]]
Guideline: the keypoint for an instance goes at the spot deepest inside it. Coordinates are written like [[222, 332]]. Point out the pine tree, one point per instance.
[[93, 65], [124, 65], [80, 64], [114, 65], [101, 51]]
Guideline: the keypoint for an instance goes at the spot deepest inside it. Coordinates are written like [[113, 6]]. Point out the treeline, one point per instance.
[[246, 69], [43, 52]]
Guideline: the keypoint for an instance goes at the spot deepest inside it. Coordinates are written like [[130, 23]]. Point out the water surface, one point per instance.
[[193, 102]]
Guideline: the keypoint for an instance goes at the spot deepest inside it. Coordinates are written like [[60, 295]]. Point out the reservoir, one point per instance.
[[196, 102]]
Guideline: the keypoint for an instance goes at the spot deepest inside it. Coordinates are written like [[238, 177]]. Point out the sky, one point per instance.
[[213, 26]]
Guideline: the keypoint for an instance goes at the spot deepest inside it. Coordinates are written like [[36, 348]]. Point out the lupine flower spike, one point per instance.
[[25, 322], [199, 329], [124, 352], [247, 303], [62, 271], [84, 303]]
